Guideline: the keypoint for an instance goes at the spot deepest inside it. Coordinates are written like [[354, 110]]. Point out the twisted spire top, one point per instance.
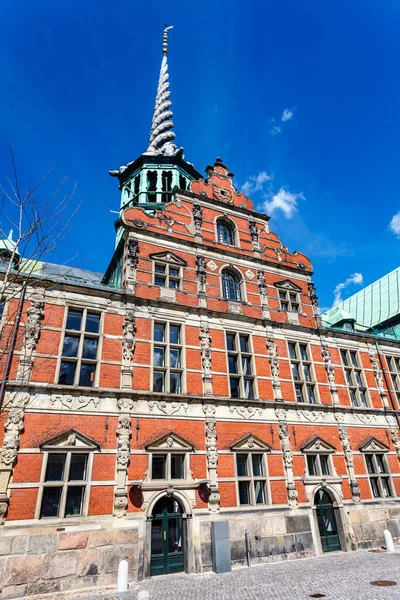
[[161, 134]]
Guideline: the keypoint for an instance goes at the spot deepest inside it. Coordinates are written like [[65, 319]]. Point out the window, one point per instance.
[[2, 307], [225, 233], [167, 358], [354, 378], [65, 485], [240, 367], [167, 275], [379, 476], [394, 370], [251, 474], [289, 301], [304, 382], [231, 286], [80, 348], [318, 465], [168, 466]]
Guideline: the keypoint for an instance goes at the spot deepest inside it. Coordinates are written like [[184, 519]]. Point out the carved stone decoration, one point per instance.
[[131, 264], [168, 408], [74, 402], [254, 234], [201, 274], [212, 464], [262, 287], [274, 364], [125, 404], [13, 427], [32, 333], [123, 457], [378, 375], [313, 296], [330, 371], [209, 410], [211, 265], [311, 415], [198, 219], [287, 456], [348, 456], [364, 418], [247, 412], [205, 344], [394, 434], [249, 274], [128, 348]]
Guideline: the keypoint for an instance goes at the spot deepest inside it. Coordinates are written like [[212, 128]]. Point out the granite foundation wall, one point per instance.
[[272, 537], [369, 522], [49, 563]]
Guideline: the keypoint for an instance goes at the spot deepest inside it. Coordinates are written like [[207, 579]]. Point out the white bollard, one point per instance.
[[122, 582], [388, 540]]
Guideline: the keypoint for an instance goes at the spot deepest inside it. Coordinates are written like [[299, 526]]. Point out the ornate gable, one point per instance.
[[317, 444], [169, 257], [373, 445], [70, 440], [286, 284], [251, 443], [170, 442]]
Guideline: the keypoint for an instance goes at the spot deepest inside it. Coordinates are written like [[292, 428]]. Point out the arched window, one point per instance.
[[231, 285], [225, 233]]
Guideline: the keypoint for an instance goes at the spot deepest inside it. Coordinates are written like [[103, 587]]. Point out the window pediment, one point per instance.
[[170, 442], [169, 257], [373, 445], [251, 443], [286, 284], [317, 445], [70, 440]]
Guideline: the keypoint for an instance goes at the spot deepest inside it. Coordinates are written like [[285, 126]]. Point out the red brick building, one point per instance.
[[192, 382]]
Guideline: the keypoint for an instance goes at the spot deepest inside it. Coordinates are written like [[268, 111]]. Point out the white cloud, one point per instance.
[[284, 201], [256, 183], [287, 115], [356, 279], [275, 130], [394, 225]]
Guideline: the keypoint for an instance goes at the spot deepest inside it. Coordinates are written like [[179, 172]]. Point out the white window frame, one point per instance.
[[285, 298], [81, 334], [166, 275], [168, 454], [167, 345], [379, 475], [393, 363], [240, 376], [232, 225], [304, 384], [251, 478], [356, 391], [317, 457]]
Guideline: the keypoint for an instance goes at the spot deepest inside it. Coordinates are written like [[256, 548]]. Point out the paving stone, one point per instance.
[[127, 536], [22, 569], [101, 537], [73, 541], [59, 565], [42, 544]]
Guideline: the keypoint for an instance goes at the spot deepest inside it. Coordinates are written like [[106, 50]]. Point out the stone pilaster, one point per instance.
[[128, 348], [394, 434], [212, 457], [124, 433], [15, 404], [330, 371], [348, 457], [274, 364], [201, 280], [205, 344], [378, 376], [32, 333], [262, 288], [198, 221], [254, 234], [287, 456], [132, 258]]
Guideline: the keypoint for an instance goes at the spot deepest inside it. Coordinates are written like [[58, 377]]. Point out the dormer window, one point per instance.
[[289, 296], [225, 233]]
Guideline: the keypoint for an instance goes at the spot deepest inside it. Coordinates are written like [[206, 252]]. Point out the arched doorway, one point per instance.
[[327, 524], [167, 537]]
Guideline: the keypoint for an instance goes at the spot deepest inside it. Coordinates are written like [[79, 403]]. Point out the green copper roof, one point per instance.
[[373, 305]]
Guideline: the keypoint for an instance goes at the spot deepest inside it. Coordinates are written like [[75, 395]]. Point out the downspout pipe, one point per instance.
[[392, 402], [10, 355]]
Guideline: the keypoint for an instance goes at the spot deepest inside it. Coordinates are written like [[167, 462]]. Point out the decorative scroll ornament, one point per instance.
[[75, 402], [161, 134], [348, 456], [209, 410], [123, 457], [168, 408], [247, 412], [287, 456], [198, 218], [329, 368], [32, 333], [311, 415], [254, 234], [13, 427], [212, 464], [377, 371]]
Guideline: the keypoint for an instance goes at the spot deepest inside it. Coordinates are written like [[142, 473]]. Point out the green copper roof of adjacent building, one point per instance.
[[372, 306]]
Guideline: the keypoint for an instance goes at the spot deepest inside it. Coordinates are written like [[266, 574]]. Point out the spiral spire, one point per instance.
[[161, 134]]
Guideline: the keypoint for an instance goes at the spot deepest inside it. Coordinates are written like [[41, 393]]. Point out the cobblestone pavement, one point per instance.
[[341, 576]]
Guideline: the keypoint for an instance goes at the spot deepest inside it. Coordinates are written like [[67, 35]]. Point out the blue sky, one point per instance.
[[78, 88]]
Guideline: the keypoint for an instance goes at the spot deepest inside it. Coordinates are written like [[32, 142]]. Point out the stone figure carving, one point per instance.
[[394, 433], [201, 273], [128, 338], [377, 372], [198, 218], [212, 464], [313, 295], [254, 233], [287, 456], [348, 457], [123, 456], [205, 344], [132, 257], [329, 368], [35, 315], [262, 284], [133, 250], [274, 364]]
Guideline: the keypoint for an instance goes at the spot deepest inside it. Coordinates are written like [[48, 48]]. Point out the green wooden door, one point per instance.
[[327, 522], [167, 549]]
